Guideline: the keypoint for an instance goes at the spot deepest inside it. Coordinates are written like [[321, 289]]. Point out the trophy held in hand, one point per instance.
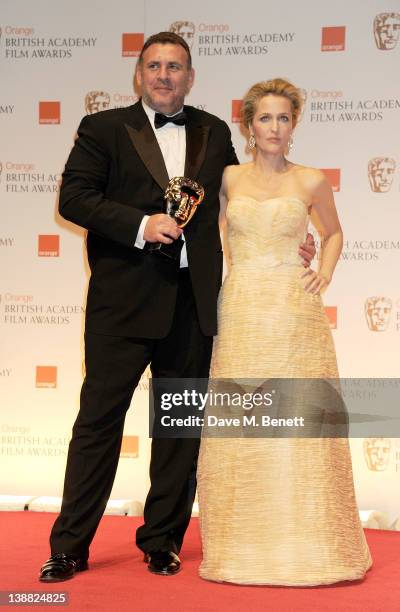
[[182, 197]]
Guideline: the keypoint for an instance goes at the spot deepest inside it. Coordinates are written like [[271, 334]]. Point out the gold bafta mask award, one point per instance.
[[182, 196]]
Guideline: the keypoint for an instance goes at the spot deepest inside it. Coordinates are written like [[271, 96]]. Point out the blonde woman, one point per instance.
[[277, 510]]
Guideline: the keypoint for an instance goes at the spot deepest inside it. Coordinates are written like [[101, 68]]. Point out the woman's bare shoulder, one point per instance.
[[237, 169], [309, 177], [233, 173]]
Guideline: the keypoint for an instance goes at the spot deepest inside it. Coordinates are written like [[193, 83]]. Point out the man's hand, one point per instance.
[[161, 228], [315, 282], [307, 250]]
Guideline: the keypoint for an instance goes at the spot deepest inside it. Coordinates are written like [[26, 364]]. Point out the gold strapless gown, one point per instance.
[[276, 511]]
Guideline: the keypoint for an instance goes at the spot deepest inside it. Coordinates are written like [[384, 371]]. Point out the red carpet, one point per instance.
[[118, 580]]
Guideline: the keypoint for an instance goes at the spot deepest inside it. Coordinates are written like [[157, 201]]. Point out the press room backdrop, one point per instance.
[[61, 60]]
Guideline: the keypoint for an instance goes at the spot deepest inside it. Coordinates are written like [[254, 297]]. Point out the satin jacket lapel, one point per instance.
[[143, 139], [196, 145]]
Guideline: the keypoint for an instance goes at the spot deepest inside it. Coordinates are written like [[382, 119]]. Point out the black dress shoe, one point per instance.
[[61, 567], [165, 563]]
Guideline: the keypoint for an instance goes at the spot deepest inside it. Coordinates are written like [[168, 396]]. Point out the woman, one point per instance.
[[277, 511]]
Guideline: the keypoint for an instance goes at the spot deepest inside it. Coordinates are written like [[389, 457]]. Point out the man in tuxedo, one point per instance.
[[142, 308]]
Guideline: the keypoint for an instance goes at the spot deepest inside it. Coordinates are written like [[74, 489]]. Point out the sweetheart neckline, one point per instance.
[[269, 199]]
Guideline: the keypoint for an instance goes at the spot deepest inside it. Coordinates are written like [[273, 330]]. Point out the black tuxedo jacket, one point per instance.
[[115, 175]]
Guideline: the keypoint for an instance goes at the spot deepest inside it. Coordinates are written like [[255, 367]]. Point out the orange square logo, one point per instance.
[[333, 176], [331, 313], [237, 111], [132, 44], [46, 377], [49, 112], [333, 38], [48, 245], [130, 447]]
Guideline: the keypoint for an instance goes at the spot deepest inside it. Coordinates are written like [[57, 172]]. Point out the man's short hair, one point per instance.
[[166, 38]]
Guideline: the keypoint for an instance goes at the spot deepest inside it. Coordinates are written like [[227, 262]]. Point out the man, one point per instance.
[[142, 308]]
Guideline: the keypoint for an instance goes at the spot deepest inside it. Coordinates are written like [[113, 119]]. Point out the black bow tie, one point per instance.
[[160, 119]]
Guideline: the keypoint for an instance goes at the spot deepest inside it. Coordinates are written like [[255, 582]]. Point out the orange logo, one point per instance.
[[96, 101], [377, 453], [130, 447], [333, 38], [49, 245], [387, 30], [237, 111], [380, 173], [331, 313], [185, 29], [333, 177], [377, 313], [132, 44], [46, 377], [49, 112]]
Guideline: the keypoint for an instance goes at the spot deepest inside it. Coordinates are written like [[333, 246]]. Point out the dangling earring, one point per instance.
[[290, 143], [252, 142]]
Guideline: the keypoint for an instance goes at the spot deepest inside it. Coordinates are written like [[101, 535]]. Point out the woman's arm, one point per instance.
[[324, 217]]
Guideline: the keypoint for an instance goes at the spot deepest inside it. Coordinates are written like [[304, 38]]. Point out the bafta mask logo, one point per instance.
[[185, 29], [387, 30], [96, 101], [303, 96], [377, 453], [380, 173], [377, 313]]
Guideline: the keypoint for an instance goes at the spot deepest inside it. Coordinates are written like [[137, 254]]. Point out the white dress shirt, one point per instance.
[[172, 141]]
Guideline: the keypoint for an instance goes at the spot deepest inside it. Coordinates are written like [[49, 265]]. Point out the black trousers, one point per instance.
[[114, 366]]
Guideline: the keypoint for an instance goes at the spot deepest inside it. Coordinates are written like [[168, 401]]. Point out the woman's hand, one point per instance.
[[315, 282]]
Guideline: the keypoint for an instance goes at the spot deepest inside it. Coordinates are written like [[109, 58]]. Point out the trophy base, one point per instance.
[[169, 251]]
